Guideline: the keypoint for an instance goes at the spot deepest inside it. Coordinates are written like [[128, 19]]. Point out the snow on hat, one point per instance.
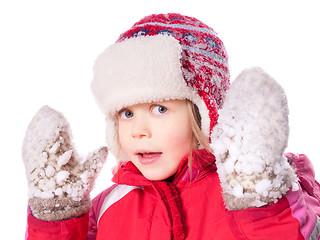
[[162, 57]]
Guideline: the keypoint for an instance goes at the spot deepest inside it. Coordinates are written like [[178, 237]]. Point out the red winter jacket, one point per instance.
[[187, 206]]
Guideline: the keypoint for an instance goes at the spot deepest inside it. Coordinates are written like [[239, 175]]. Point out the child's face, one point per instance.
[[156, 136]]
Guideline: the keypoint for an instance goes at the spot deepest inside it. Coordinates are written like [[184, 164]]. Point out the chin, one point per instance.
[[156, 176], [152, 177]]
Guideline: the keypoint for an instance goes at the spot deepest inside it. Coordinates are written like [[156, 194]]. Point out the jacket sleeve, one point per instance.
[[294, 216], [270, 222], [72, 229]]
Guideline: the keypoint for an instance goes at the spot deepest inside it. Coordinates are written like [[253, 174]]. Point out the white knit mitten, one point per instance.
[[249, 142], [59, 180]]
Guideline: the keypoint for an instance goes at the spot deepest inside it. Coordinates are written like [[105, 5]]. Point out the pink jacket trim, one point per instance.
[[304, 203], [300, 211]]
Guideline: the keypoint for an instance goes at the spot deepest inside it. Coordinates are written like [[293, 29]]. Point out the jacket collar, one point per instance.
[[169, 190]]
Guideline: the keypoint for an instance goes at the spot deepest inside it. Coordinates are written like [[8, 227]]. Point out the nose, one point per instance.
[[141, 128]]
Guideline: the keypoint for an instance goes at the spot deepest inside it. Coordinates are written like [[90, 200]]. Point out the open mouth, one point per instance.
[[148, 157]]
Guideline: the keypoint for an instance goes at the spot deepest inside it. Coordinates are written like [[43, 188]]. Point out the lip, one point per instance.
[[148, 157]]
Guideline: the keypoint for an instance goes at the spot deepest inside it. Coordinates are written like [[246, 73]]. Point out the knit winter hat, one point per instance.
[[162, 57]]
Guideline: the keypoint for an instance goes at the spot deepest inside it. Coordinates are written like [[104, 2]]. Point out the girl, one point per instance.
[[160, 87]]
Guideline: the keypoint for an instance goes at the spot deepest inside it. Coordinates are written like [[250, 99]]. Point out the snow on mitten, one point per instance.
[[249, 142], [59, 180]]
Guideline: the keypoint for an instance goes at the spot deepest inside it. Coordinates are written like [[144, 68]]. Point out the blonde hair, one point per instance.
[[198, 136], [199, 140]]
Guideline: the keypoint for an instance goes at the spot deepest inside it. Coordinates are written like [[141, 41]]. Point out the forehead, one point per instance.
[[177, 103]]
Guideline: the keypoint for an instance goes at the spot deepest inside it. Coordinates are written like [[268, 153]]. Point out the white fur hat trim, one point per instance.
[[141, 70]]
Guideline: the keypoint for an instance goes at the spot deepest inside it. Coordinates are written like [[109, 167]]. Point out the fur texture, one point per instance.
[[249, 142], [140, 70]]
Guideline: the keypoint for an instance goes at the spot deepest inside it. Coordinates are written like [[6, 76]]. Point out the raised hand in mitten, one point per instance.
[[249, 142], [59, 180]]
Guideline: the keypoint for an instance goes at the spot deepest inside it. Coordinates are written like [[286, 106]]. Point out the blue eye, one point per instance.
[[126, 114], [158, 109]]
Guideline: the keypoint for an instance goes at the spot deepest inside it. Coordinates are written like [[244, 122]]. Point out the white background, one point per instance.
[[47, 49]]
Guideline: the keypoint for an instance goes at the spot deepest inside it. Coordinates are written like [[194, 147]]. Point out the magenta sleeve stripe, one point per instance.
[[301, 211]]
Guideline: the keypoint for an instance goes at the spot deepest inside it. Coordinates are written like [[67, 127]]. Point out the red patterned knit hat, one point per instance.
[[163, 57]]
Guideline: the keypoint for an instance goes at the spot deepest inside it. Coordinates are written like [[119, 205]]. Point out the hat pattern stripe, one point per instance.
[[205, 53], [181, 26]]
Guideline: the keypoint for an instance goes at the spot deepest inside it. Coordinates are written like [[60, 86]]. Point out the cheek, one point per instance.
[[180, 137], [123, 139]]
